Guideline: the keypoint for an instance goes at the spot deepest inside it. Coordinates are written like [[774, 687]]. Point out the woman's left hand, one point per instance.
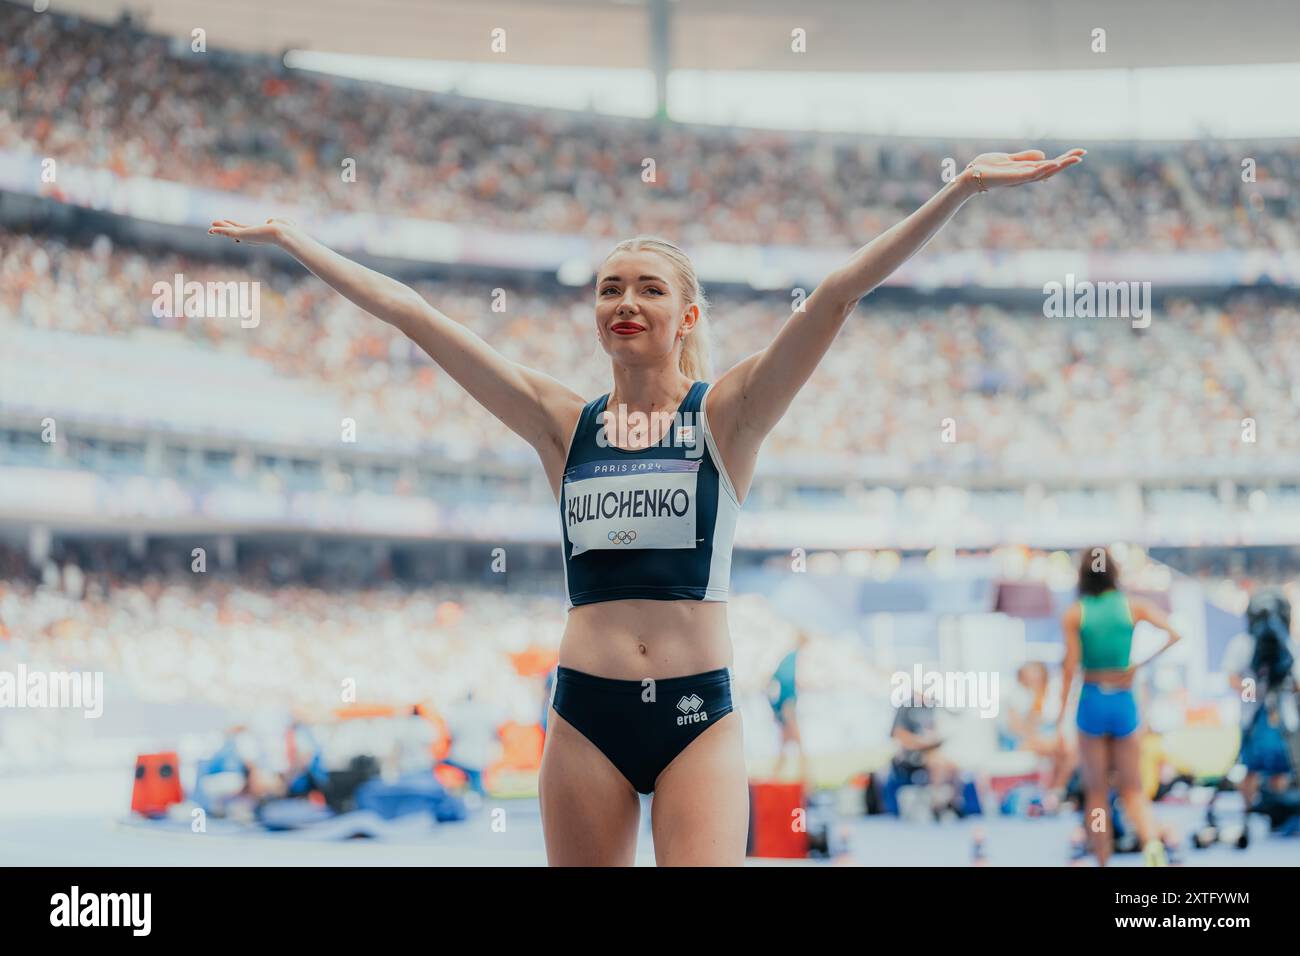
[[1012, 169]]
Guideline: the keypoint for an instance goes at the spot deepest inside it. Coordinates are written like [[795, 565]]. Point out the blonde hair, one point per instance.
[[695, 361]]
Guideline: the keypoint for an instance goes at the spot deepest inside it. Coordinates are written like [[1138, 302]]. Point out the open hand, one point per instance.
[[270, 232], [1013, 169]]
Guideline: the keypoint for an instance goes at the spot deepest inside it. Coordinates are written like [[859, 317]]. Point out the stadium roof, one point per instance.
[[867, 35]]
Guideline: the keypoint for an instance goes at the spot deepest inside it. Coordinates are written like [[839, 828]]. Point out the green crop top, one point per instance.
[[1105, 630]]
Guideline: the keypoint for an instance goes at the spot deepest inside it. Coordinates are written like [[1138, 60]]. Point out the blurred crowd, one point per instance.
[[1022, 391], [284, 627], [244, 643], [281, 636], [112, 98]]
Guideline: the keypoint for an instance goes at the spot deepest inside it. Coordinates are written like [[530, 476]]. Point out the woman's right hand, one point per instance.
[[271, 232]]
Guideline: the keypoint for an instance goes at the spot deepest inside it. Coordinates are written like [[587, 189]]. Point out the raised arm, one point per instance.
[[533, 405], [753, 396]]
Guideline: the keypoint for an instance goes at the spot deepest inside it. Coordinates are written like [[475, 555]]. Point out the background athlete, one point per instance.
[[650, 320], [1098, 632], [783, 695]]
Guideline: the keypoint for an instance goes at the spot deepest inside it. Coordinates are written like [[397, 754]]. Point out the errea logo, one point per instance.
[[690, 708]]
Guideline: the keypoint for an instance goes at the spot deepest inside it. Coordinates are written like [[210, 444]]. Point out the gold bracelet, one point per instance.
[[978, 176]]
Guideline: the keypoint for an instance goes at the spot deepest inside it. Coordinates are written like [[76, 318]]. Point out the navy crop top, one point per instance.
[[656, 523]]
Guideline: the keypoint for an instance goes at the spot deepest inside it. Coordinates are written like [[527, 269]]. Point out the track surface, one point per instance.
[[77, 820]]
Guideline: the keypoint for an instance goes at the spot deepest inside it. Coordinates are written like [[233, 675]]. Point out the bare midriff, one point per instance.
[[636, 639]]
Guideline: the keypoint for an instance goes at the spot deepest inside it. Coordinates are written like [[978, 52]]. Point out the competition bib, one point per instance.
[[627, 504]]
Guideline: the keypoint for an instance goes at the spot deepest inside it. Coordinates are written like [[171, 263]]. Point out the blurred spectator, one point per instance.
[[920, 758], [1024, 726], [474, 741], [1266, 705], [415, 744]]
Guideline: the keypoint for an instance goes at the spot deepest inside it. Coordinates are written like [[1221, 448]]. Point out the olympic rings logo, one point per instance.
[[622, 537]]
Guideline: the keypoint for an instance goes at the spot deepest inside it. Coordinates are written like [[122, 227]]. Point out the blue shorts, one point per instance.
[[1106, 712]]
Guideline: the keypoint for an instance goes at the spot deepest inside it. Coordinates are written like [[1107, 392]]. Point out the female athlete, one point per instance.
[[642, 699]]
